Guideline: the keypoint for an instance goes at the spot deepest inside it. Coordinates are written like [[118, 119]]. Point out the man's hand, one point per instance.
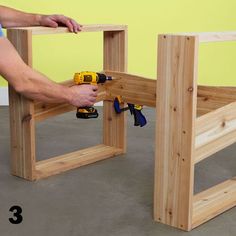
[[83, 95], [56, 20]]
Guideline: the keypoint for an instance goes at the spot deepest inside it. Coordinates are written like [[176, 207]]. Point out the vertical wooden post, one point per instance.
[[22, 122], [115, 58], [176, 114]]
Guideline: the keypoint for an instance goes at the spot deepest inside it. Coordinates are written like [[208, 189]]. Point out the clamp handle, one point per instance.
[[139, 118]]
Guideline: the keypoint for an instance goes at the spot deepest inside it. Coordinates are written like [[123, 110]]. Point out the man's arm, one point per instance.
[[36, 86], [10, 17]]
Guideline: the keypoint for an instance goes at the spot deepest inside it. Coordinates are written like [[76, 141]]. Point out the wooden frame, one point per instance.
[[193, 122], [24, 112]]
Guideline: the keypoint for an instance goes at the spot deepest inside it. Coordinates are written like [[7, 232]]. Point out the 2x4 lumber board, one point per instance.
[[73, 160], [22, 123], [213, 97], [214, 201], [132, 88], [140, 90], [206, 105], [44, 111], [207, 37], [226, 94], [217, 37], [115, 59], [37, 30], [176, 112], [215, 131]]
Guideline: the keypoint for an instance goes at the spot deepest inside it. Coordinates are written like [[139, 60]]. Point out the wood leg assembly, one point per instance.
[[193, 122]]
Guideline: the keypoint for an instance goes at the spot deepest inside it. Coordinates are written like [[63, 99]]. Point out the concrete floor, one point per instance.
[[109, 198]]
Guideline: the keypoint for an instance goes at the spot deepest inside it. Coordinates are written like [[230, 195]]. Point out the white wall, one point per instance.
[[3, 96]]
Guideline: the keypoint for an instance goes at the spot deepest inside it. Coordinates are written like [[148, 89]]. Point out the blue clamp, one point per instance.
[[139, 118]]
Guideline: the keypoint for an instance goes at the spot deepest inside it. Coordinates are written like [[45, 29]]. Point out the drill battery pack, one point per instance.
[[86, 112]]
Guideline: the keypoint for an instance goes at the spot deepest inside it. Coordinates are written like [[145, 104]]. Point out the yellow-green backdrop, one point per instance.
[[59, 56]]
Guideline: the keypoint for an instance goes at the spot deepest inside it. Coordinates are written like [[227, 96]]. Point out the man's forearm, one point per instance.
[[38, 87], [10, 17], [26, 80]]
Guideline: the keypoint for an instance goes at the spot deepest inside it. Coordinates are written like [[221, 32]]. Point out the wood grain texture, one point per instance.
[[22, 121], [115, 58], [214, 201], [44, 111], [132, 88], [215, 131], [38, 30], [211, 98], [207, 37], [176, 113], [57, 165], [139, 90]]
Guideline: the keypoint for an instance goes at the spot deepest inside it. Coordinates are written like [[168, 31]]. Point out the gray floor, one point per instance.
[[109, 198]]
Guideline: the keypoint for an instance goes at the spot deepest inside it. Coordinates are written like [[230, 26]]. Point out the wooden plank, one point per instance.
[[215, 131], [114, 58], [214, 201], [22, 121], [219, 92], [73, 160], [132, 88], [44, 111], [176, 112], [217, 37], [140, 90], [207, 37], [38, 30], [211, 98]]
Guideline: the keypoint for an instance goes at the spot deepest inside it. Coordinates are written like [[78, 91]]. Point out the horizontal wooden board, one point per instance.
[[213, 201], [44, 111], [73, 160], [207, 37], [140, 90], [38, 30], [132, 88], [215, 131], [213, 97]]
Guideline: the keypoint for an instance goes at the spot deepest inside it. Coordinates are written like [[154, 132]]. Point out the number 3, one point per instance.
[[17, 215]]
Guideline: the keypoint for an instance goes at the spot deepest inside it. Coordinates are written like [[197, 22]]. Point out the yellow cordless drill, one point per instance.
[[93, 78]]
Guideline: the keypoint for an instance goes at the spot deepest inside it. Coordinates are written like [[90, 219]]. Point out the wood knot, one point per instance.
[[27, 118], [109, 119], [223, 124], [190, 89], [175, 109]]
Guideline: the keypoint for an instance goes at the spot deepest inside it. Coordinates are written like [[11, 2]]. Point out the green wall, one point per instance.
[[61, 55]]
